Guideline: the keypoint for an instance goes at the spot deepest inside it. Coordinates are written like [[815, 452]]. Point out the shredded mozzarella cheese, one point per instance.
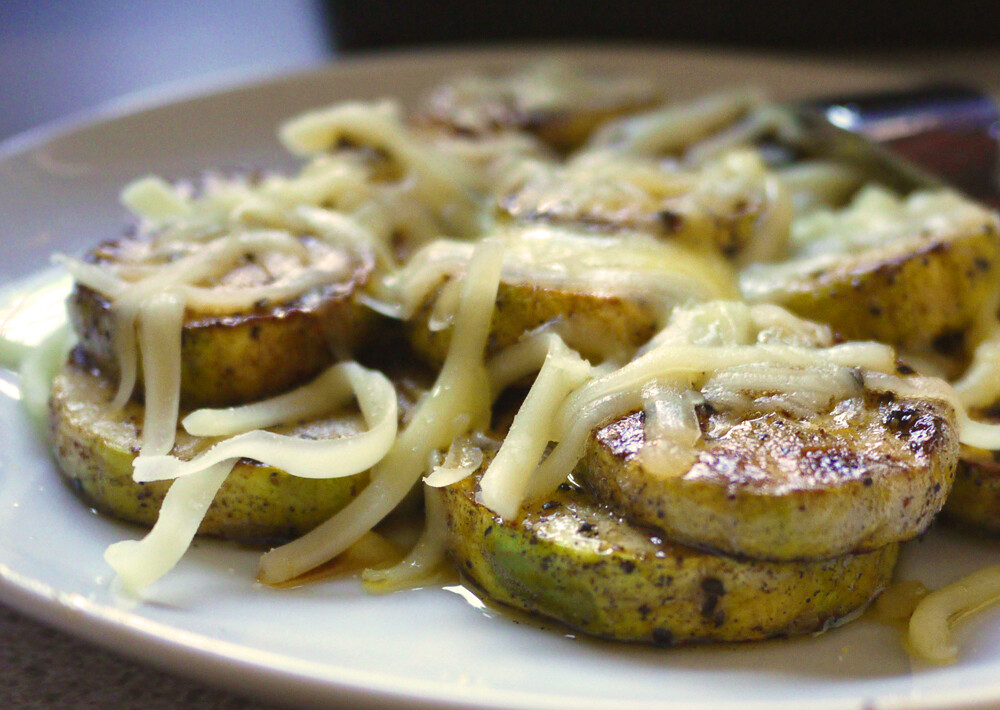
[[728, 353], [930, 624], [139, 563], [459, 401], [505, 481], [331, 458]]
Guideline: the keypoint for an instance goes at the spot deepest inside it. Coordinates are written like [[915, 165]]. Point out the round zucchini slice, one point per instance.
[[95, 446], [573, 560], [559, 105], [731, 205], [974, 501], [914, 273], [606, 295], [240, 356], [874, 470], [598, 325]]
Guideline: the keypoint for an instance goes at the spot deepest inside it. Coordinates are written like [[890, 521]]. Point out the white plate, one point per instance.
[[329, 644]]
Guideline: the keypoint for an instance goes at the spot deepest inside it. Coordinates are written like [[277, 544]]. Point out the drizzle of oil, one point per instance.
[[495, 611], [474, 596], [380, 548], [895, 605], [373, 550]]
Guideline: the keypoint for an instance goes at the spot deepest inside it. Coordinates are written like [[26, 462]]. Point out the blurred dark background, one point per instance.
[[58, 57], [762, 24]]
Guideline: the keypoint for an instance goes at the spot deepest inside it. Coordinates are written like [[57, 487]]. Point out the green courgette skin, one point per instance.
[[571, 560], [95, 446]]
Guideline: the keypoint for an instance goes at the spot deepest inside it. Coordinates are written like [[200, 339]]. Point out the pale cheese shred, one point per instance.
[[930, 625], [464, 458], [305, 458], [458, 401], [139, 563], [505, 481], [440, 178], [422, 564]]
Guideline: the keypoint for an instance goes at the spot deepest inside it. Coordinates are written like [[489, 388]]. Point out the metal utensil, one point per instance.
[[924, 136]]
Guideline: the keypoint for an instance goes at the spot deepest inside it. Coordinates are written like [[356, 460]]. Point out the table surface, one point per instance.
[[44, 668]]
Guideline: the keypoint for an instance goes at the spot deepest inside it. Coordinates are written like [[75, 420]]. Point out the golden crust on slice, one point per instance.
[[916, 273], [596, 324], [571, 559], [246, 354], [873, 471]]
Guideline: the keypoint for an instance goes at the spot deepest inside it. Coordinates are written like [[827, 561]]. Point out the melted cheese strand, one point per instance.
[[685, 364], [91, 275], [139, 563], [39, 367], [573, 439], [329, 391], [442, 180], [929, 629], [464, 458], [674, 127], [671, 429], [503, 485], [760, 121], [772, 225], [160, 322], [125, 346], [521, 359], [154, 199], [819, 183], [423, 563], [305, 458], [980, 385], [339, 228], [459, 398]]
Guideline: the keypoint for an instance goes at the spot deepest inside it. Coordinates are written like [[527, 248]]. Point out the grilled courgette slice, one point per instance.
[[95, 446], [916, 273], [605, 295], [731, 205], [571, 559], [874, 470], [558, 104], [237, 356]]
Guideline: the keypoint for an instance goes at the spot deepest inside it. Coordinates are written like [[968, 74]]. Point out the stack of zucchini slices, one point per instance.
[[721, 505], [709, 365], [268, 315]]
